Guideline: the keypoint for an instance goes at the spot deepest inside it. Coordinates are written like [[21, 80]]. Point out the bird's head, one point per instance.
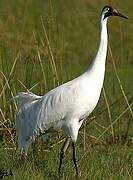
[[108, 11]]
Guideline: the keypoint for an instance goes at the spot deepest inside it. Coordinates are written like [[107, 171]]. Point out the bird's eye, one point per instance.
[[106, 10]]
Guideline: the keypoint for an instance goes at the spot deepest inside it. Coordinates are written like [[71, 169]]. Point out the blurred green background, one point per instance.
[[45, 43]]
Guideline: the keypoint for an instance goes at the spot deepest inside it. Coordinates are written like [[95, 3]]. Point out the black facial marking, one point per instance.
[[108, 11]]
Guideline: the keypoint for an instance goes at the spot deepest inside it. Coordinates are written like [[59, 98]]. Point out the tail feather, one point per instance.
[[23, 100], [24, 97]]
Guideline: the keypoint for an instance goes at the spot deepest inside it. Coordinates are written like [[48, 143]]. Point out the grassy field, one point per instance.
[[46, 43]]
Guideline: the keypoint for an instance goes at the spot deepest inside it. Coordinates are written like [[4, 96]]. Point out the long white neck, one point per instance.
[[98, 65]]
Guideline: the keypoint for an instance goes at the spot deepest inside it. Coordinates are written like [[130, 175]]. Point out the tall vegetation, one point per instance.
[[46, 43]]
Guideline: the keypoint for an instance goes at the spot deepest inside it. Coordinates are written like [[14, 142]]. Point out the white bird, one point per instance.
[[66, 106]]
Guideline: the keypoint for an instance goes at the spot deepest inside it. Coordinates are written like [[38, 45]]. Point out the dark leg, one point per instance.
[[74, 158], [63, 150]]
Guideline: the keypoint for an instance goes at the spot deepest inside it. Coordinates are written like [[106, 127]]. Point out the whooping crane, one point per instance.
[[68, 105]]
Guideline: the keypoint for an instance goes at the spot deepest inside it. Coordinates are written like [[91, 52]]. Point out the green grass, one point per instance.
[[97, 162], [46, 43]]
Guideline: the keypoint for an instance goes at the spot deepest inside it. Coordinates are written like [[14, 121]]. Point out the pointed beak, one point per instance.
[[116, 13]]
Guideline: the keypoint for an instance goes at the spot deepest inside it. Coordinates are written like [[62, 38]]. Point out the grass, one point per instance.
[[103, 161], [46, 43]]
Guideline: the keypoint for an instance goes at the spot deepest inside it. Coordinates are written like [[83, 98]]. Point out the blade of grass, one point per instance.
[[120, 115], [11, 72], [41, 64], [50, 51], [3, 123], [7, 84], [28, 90], [119, 81], [109, 113], [122, 89]]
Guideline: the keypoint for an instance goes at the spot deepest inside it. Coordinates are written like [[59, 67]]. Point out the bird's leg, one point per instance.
[[63, 150], [74, 158]]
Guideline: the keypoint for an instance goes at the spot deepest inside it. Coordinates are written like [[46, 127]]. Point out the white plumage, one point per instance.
[[66, 106], [61, 108]]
